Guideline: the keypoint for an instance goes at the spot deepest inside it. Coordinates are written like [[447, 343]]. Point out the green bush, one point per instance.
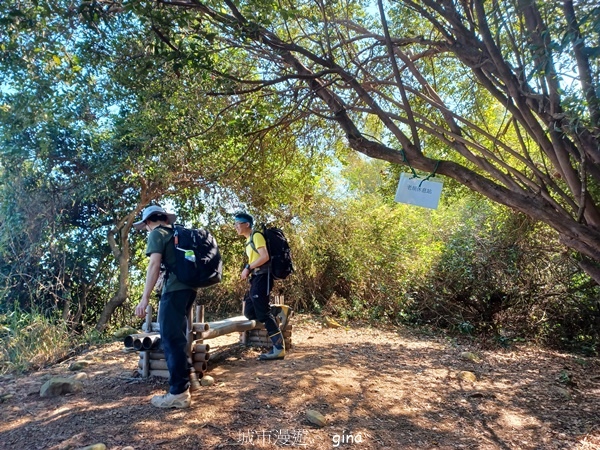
[[502, 273]]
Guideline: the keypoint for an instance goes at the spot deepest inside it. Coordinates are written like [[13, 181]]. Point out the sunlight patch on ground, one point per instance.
[[516, 421], [10, 425]]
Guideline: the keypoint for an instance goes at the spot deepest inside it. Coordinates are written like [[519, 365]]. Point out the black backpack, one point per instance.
[[280, 254], [197, 258]]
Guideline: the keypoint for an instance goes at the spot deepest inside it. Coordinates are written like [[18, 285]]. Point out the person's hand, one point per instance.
[[245, 273], [140, 309]]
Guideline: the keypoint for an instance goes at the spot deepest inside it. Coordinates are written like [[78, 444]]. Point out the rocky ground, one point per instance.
[[377, 389]]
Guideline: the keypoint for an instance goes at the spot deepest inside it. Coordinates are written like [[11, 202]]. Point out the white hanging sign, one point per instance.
[[419, 192]]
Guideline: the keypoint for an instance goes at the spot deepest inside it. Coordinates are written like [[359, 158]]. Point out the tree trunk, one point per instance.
[[122, 293], [121, 253]]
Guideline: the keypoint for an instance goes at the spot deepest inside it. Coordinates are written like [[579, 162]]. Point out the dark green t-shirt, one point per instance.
[[159, 241]]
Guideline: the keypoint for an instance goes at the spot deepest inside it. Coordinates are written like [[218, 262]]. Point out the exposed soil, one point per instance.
[[378, 389]]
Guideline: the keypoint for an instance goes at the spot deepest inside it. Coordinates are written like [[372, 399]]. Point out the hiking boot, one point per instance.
[[183, 400], [275, 353], [283, 313]]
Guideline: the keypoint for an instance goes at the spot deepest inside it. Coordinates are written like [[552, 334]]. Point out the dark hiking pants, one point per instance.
[[172, 318], [257, 301]]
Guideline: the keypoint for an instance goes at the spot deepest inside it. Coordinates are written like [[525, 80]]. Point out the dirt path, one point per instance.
[[378, 390]]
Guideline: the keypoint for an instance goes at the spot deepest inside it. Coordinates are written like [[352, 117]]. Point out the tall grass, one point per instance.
[[31, 340]]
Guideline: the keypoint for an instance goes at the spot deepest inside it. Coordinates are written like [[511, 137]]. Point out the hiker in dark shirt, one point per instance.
[[175, 305], [257, 271]]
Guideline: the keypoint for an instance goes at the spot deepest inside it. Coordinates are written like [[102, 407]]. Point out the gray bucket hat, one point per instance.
[[150, 211]]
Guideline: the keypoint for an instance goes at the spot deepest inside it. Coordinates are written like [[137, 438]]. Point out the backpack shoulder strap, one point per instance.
[[163, 263], [251, 242]]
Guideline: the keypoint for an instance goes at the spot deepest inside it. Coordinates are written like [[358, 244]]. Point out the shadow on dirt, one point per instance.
[[376, 389]]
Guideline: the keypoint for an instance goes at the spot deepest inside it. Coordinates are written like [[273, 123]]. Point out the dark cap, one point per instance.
[[243, 217]]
